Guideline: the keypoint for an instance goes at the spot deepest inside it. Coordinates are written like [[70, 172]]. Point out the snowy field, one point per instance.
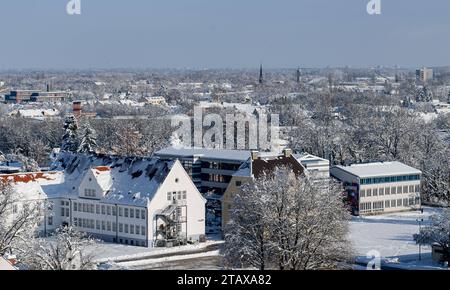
[[392, 236]]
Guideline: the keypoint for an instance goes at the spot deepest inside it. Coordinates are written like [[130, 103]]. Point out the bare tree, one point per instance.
[[66, 249], [19, 219], [288, 222]]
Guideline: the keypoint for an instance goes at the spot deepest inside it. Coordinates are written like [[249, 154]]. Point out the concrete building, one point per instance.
[[424, 74], [382, 187], [21, 96], [314, 164], [134, 201]]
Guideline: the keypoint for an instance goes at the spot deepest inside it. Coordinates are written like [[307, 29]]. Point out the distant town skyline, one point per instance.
[[196, 34]]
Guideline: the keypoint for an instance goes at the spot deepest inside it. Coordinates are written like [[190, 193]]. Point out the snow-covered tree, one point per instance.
[[437, 232], [88, 142], [288, 222], [67, 249], [18, 219], [27, 164], [70, 137]]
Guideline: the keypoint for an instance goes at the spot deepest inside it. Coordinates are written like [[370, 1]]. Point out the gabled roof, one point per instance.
[[266, 163]]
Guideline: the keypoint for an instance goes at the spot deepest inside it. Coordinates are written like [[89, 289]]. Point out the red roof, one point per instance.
[[24, 177]]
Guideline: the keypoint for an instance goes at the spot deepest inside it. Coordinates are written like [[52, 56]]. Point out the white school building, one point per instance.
[[380, 187], [134, 201]]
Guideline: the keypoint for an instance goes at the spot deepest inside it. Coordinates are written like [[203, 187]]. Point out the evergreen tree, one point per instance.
[[89, 140], [70, 137]]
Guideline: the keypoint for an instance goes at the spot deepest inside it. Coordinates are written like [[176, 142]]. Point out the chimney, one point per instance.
[[287, 153], [76, 109], [255, 155]]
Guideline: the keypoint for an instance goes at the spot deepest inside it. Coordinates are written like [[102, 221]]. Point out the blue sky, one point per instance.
[[223, 34]]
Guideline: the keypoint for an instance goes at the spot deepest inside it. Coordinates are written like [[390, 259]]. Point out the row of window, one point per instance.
[[109, 226], [389, 179], [381, 205], [176, 195], [389, 190], [109, 210]]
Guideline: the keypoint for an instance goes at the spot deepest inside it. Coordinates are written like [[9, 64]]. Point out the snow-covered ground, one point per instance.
[[116, 252], [392, 236]]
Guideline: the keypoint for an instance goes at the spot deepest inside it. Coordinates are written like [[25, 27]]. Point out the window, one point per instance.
[[378, 206], [238, 183], [50, 220], [103, 210], [417, 188], [169, 196], [184, 195], [405, 189], [92, 208], [75, 206], [97, 225], [114, 227], [108, 226], [97, 209], [126, 212], [103, 225], [114, 211], [142, 214], [399, 202], [120, 228], [387, 191], [399, 190], [393, 203], [84, 207], [108, 210], [75, 222], [405, 202], [381, 191], [387, 204], [143, 230], [120, 211], [369, 192], [375, 192], [132, 229], [138, 230], [126, 228], [362, 193], [179, 195], [67, 212], [393, 190], [63, 211], [411, 189], [366, 207], [131, 213]]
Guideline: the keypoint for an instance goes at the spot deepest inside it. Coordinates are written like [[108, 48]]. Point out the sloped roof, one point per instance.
[[127, 180]]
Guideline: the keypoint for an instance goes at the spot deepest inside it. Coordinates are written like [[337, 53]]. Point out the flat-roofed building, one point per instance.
[[375, 188]]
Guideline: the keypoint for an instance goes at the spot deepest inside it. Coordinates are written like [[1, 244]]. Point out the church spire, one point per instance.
[[261, 76]]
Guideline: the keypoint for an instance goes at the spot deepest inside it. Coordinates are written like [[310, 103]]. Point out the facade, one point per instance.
[[254, 167], [141, 202], [382, 187], [424, 74], [314, 164], [211, 170], [20, 96]]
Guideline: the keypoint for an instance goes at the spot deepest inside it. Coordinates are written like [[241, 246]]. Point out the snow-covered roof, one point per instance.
[[126, 180], [5, 265], [379, 169], [217, 154]]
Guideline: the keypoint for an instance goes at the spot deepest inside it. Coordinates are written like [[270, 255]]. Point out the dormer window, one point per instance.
[[89, 192]]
